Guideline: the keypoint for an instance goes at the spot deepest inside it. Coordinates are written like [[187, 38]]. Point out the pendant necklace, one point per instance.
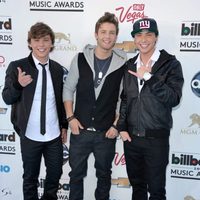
[[100, 74]]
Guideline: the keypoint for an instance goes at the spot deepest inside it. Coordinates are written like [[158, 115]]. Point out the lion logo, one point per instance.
[[61, 36], [127, 46], [195, 120]]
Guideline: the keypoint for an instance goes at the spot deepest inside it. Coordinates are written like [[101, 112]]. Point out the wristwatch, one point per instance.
[[147, 76]]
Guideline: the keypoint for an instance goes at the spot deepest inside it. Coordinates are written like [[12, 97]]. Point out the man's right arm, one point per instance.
[[69, 89], [71, 81], [12, 89]]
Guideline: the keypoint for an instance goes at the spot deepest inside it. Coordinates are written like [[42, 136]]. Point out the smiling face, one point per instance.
[[106, 36], [40, 41], [145, 41], [41, 47]]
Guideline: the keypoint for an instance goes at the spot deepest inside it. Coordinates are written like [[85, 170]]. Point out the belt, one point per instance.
[[91, 129]]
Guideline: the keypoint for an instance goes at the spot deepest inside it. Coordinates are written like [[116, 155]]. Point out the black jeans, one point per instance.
[[32, 153], [146, 162], [104, 151]]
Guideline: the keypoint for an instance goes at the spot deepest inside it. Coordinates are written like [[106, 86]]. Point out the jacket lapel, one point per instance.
[[29, 91]]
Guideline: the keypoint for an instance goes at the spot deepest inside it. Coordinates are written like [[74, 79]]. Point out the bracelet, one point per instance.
[[70, 118], [114, 126]]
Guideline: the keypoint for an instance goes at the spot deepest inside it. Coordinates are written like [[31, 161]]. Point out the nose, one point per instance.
[[41, 43], [143, 38], [107, 35]]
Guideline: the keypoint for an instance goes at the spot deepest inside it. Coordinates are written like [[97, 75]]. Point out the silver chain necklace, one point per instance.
[[100, 74]]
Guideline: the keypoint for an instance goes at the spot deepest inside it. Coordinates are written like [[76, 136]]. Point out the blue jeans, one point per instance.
[[104, 151]]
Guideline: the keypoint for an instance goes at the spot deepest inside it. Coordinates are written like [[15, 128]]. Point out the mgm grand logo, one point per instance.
[[62, 36], [63, 42], [193, 127], [127, 46], [195, 118]]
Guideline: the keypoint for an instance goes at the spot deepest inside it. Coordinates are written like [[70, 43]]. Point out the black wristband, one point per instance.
[[114, 126], [70, 118]]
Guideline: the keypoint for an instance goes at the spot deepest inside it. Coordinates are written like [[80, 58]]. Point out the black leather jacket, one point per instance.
[[21, 98], [148, 113]]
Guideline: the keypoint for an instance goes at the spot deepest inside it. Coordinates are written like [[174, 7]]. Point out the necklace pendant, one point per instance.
[[100, 75]]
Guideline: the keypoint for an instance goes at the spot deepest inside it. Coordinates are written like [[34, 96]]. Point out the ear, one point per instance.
[[29, 46], [96, 35]]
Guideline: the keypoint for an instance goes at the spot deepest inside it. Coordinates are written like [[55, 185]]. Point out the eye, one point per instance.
[[138, 35], [112, 32], [149, 34], [103, 32]]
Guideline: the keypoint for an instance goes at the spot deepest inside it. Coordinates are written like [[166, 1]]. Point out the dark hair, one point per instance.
[[110, 18], [39, 30]]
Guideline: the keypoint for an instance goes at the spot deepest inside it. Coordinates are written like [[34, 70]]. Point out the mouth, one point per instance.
[[144, 46], [41, 50], [107, 42]]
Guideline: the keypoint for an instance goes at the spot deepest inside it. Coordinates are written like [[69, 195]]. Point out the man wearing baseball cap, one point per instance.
[[152, 87], [148, 24]]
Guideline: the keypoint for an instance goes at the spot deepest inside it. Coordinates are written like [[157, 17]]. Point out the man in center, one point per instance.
[[95, 75]]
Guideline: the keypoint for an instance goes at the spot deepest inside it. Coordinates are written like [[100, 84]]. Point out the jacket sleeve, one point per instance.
[[71, 81], [122, 122], [12, 89], [167, 87], [64, 123]]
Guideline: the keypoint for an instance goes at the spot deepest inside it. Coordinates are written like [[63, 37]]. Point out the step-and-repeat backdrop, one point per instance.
[[73, 23]]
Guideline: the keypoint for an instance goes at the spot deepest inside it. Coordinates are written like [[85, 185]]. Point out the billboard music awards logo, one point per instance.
[[195, 84], [53, 5], [63, 188], [190, 36], [132, 13], [63, 42], [7, 142], [5, 30], [185, 165]]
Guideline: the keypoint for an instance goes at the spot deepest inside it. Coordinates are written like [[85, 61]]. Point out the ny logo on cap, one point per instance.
[[144, 24]]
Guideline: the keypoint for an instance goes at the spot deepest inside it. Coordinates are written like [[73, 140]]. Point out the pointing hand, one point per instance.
[[23, 79]]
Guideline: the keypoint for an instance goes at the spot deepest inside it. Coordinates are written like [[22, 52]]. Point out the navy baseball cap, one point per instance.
[[148, 24]]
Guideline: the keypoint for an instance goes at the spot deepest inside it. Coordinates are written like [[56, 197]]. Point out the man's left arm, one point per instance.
[[168, 86]]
